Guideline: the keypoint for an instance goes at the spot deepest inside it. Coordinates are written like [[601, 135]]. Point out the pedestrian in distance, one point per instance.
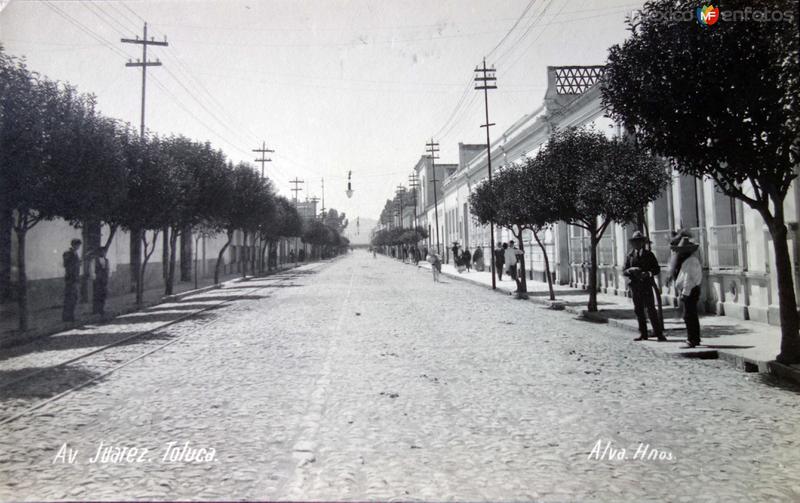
[[687, 285], [466, 259], [499, 260], [477, 259], [72, 273], [436, 265], [641, 267], [100, 285]]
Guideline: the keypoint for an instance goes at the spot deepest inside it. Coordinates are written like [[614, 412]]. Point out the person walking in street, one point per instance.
[[100, 284], [641, 266], [687, 285], [499, 260], [436, 265], [477, 259], [72, 273], [466, 259]]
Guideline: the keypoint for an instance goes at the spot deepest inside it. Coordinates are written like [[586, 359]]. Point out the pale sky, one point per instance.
[[331, 86]]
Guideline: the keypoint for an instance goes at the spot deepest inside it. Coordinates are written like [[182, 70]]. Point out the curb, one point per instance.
[[789, 373]]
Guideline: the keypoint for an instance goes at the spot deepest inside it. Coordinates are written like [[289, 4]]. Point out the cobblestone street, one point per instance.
[[362, 379]]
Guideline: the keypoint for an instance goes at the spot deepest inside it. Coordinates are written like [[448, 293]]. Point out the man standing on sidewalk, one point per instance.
[[499, 261], [511, 253], [641, 266], [72, 273]]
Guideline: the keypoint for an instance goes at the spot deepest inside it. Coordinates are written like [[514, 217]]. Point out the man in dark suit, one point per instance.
[[72, 274], [641, 266], [499, 261]]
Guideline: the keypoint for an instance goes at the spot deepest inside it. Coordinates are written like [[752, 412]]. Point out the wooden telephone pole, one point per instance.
[[433, 153], [485, 80], [143, 64], [263, 151]]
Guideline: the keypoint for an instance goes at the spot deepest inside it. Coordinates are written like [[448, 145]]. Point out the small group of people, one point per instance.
[[411, 253], [506, 258], [685, 270], [72, 280], [464, 260]]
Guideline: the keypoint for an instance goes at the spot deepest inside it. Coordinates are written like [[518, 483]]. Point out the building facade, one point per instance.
[[736, 247]]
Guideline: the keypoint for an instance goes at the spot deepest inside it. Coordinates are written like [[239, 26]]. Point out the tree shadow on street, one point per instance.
[[46, 383]]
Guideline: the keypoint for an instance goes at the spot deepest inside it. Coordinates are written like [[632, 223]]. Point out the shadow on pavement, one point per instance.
[[150, 317], [50, 382]]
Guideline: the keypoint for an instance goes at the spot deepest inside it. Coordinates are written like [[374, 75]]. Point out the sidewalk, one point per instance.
[[749, 345], [47, 321]]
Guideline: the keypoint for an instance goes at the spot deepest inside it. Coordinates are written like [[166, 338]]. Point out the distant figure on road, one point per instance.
[[100, 285], [456, 254], [417, 255], [72, 273], [687, 285], [436, 266], [302, 255], [291, 255], [499, 260], [641, 266], [466, 259], [477, 259]]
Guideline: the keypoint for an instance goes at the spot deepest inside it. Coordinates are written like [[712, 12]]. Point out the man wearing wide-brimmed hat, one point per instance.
[[687, 286], [640, 267]]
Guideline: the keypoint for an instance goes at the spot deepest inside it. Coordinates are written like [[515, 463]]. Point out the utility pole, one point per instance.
[[485, 80], [400, 192], [135, 241], [263, 151], [323, 199], [413, 183], [296, 182], [433, 151], [143, 63]]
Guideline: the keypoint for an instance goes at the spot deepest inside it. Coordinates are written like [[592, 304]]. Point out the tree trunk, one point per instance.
[[22, 279], [173, 245], [592, 307], [143, 268], [243, 258], [522, 281], [546, 266], [165, 253], [112, 231], [136, 256], [790, 324], [6, 231], [218, 265], [186, 253]]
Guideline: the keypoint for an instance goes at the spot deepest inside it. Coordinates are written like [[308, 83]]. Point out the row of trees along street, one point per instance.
[[60, 158], [716, 102], [580, 177]]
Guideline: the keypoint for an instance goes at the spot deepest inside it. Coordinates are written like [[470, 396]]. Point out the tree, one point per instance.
[[23, 182], [151, 190], [247, 198], [595, 181], [505, 201], [286, 222], [659, 83], [199, 171]]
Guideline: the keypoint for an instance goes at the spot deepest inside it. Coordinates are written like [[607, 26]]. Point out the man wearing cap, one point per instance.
[[687, 285], [640, 268]]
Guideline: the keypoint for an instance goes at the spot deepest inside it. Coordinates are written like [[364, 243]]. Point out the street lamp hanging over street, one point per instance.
[[349, 191]]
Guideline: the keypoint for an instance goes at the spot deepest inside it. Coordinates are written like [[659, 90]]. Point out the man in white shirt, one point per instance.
[[510, 255], [687, 286]]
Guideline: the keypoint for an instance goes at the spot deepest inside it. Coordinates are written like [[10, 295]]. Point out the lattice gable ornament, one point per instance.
[[576, 79]]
